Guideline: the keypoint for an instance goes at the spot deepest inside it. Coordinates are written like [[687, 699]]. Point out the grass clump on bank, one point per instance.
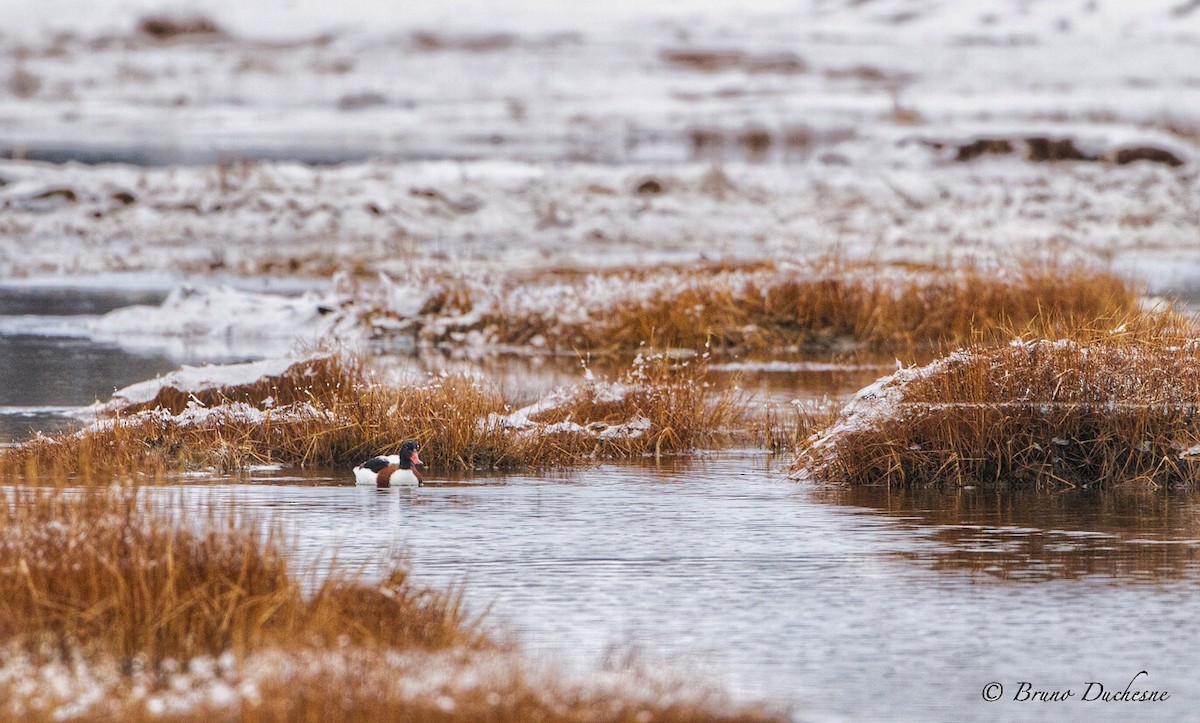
[[760, 307], [331, 411], [107, 570], [1118, 409], [112, 608]]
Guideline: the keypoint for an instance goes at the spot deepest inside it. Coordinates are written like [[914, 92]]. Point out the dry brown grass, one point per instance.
[[668, 406], [783, 428], [324, 376], [331, 411], [1114, 409], [714, 60], [166, 27], [114, 609], [764, 307]]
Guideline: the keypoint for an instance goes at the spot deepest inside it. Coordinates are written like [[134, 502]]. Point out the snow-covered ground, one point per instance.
[[498, 138], [222, 323], [582, 81], [493, 216]]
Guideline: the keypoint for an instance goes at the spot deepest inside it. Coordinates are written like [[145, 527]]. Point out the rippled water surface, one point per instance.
[[851, 605]]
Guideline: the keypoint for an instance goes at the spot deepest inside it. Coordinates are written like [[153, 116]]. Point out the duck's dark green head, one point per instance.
[[408, 455]]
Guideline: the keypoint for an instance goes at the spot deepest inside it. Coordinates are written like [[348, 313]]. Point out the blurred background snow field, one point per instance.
[[518, 134]]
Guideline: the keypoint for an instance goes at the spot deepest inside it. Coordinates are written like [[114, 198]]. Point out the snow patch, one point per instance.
[[190, 379], [222, 322]]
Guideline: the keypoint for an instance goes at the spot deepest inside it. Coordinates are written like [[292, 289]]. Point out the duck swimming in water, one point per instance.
[[393, 470]]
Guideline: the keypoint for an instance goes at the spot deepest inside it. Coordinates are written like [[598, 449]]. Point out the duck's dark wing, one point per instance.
[[375, 464]]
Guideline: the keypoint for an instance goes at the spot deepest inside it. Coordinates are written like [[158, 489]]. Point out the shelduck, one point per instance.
[[393, 470]]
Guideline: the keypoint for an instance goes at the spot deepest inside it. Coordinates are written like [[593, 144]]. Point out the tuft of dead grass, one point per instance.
[[106, 569], [1116, 408], [661, 405], [432, 42], [784, 428], [331, 411]]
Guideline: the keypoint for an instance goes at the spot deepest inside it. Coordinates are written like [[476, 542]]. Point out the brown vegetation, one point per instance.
[[765, 307], [786, 428], [430, 42], [1115, 409], [166, 27], [106, 567], [756, 141], [22, 83], [1054, 149], [330, 411], [714, 60]]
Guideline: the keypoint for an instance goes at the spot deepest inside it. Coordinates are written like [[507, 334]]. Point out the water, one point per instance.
[[851, 605], [48, 366]]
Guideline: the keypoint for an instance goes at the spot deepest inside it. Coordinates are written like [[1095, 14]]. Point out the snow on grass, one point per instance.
[[404, 217], [219, 322], [725, 307], [233, 415], [192, 379], [1117, 409], [332, 411], [351, 680], [600, 90], [876, 403]]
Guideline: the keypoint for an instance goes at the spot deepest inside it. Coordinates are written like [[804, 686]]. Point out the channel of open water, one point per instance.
[[848, 604]]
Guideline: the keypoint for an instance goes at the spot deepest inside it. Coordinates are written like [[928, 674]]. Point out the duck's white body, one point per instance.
[[391, 470], [365, 475], [397, 478]]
